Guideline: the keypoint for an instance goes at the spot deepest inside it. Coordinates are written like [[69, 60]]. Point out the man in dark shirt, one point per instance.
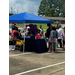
[[48, 30]]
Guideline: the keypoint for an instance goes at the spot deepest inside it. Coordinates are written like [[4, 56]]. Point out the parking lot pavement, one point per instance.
[[26, 62], [14, 52], [60, 72], [55, 70]]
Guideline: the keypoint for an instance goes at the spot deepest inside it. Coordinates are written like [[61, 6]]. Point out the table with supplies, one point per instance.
[[36, 45]]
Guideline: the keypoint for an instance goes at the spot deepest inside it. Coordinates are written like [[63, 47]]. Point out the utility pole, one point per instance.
[[11, 9]]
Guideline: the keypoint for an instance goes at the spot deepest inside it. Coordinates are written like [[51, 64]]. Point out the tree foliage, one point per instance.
[[42, 7], [11, 14], [63, 12], [50, 12], [47, 8]]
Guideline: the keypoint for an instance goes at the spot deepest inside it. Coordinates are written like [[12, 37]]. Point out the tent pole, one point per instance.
[[24, 40]]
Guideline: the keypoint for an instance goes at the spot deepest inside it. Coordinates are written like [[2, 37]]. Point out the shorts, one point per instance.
[[63, 39], [53, 40]]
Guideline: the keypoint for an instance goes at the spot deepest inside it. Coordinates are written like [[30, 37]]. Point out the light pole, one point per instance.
[[11, 10]]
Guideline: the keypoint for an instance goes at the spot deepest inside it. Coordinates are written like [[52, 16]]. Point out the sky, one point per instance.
[[19, 6]]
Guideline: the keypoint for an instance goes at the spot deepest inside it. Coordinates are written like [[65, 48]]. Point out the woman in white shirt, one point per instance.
[[60, 35]]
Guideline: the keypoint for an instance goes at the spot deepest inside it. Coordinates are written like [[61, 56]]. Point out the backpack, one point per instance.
[[53, 34]]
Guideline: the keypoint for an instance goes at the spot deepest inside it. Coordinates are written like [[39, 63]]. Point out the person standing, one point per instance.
[[47, 34], [52, 39], [64, 39], [26, 29], [41, 30], [60, 35]]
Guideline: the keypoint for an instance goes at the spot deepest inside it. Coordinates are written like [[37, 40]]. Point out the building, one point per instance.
[[61, 20]]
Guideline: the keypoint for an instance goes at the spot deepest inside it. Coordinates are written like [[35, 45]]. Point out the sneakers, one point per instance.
[[13, 48], [53, 51], [49, 51]]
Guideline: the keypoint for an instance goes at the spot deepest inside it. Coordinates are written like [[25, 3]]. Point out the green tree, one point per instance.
[[59, 4], [56, 14], [50, 3], [47, 12], [11, 14], [63, 12], [42, 7], [56, 4], [50, 12]]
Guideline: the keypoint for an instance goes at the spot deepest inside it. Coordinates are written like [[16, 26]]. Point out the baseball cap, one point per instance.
[[27, 24]]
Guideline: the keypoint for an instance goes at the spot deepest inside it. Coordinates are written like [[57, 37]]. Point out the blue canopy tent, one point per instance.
[[27, 18]]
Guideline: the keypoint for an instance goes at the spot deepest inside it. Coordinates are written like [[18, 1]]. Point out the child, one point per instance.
[[38, 35], [41, 30]]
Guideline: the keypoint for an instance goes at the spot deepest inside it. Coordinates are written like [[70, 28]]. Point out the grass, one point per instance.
[[44, 26]]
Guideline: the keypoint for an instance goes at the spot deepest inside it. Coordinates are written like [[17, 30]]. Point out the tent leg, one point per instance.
[[24, 41]]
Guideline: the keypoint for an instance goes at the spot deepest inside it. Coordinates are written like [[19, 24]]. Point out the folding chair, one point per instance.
[[19, 43]]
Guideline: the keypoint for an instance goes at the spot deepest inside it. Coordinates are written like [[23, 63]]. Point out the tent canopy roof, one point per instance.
[[27, 18]]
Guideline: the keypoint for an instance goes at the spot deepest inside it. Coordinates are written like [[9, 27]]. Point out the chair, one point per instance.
[[19, 43]]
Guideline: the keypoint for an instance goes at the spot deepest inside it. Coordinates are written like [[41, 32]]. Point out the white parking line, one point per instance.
[[20, 54], [39, 68]]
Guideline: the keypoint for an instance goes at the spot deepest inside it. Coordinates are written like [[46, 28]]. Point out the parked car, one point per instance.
[[12, 25]]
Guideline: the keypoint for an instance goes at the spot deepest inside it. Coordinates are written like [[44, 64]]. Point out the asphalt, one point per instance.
[[26, 62]]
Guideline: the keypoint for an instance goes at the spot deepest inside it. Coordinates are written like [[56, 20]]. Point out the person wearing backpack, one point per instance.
[[52, 39]]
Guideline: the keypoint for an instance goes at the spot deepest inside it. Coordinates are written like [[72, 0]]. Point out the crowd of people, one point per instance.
[[55, 35], [30, 31]]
